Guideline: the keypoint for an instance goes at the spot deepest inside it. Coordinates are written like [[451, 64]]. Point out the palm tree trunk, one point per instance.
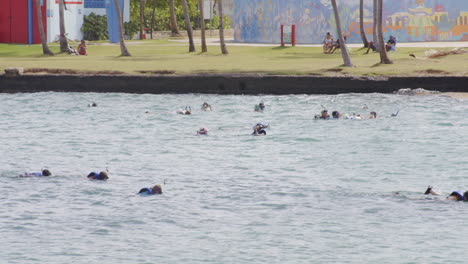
[[174, 28], [188, 25], [63, 38], [202, 26], [221, 28], [142, 15], [344, 50], [361, 23], [123, 49], [45, 48], [383, 51], [152, 22], [374, 25]]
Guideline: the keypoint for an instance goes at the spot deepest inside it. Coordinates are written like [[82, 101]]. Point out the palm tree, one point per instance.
[[344, 50], [174, 28], [123, 49], [188, 25], [63, 38], [221, 28], [374, 25], [202, 26], [45, 48], [383, 52], [361, 23], [142, 15]]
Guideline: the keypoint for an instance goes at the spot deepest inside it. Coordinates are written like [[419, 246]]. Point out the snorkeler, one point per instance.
[[37, 174], [202, 131], [98, 176], [259, 129], [206, 107], [186, 111], [149, 191], [453, 196], [260, 107]]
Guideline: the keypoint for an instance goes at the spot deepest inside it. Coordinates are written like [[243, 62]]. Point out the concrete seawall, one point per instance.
[[225, 84]]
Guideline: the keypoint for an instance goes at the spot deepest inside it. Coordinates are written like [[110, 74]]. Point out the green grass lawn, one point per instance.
[[165, 55]]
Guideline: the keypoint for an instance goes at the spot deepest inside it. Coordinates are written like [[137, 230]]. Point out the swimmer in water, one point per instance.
[[206, 107], [453, 196], [373, 115], [259, 129], [92, 105], [324, 114], [150, 191], [186, 111], [260, 107], [202, 131], [336, 115], [37, 174], [98, 176]]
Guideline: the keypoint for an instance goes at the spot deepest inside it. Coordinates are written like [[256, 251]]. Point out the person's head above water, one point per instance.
[[154, 190], [46, 172], [98, 176], [373, 115], [324, 113], [336, 114]]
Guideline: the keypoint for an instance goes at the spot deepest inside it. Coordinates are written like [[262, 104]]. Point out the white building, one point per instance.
[[74, 15]]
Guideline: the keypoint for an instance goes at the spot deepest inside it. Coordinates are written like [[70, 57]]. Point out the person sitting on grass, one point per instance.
[[371, 46], [391, 44], [327, 43], [336, 45], [82, 48]]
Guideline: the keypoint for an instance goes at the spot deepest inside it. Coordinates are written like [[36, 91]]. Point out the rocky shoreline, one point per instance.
[[227, 84]]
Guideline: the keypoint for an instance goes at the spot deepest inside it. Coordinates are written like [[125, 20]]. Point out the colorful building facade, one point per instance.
[[18, 19], [259, 21]]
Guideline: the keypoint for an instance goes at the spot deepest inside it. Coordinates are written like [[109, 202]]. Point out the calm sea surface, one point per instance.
[[308, 192]]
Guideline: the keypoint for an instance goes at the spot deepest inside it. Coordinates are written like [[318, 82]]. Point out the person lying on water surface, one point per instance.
[[37, 174], [259, 129], [102, 176], [453, 196], [186, 111], [151, 190]]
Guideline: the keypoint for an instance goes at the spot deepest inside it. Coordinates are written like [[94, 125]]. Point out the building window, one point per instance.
[[94, 4]]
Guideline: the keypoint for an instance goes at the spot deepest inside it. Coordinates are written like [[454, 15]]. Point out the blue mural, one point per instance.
[[259, 21]]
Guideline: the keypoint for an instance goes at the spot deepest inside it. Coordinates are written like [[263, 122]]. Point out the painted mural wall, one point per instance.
[[259, 21]]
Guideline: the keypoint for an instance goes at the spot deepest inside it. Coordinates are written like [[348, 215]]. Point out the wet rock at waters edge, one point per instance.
[[418, 91], [14, 71]]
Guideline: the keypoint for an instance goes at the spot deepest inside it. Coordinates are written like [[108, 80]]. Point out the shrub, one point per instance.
[[95, 27]]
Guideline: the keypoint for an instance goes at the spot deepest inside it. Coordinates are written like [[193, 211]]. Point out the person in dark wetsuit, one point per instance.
[[98, 176], [37, 174], [150, 191]]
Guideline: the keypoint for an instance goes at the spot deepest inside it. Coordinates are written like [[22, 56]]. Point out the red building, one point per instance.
[[18, 21]]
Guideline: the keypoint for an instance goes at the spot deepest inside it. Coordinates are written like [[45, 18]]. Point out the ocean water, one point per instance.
[[311, 191]]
